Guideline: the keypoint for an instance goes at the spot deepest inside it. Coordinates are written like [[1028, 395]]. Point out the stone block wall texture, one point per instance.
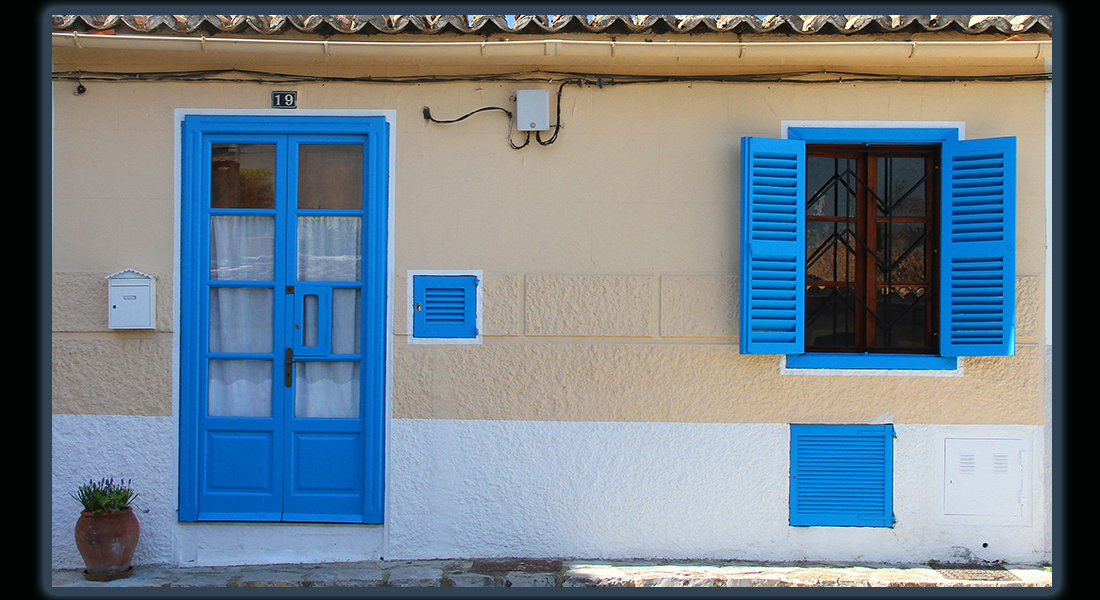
[[609, 260]]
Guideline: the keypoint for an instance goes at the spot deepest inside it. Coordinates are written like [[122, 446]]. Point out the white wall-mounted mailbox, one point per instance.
[[131, 300]]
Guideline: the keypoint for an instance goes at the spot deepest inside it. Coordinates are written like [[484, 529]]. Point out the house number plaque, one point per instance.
[[284, 99]]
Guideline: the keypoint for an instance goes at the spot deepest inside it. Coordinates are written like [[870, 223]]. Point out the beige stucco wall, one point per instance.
[[610, 257]]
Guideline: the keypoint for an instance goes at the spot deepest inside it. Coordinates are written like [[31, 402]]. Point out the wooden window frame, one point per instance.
[[866, 221]]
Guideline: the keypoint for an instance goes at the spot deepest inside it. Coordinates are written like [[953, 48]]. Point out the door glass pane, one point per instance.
[[242, 176], [239, 388], [241, 319], [326, 389], [329, 248], [310, 318], [242, 247], [345, 321], [330, 176]]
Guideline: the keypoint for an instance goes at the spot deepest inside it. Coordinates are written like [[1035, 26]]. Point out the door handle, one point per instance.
[[288, 367]]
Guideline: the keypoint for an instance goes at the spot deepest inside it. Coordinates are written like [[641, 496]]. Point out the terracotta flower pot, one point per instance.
[[107, 541]]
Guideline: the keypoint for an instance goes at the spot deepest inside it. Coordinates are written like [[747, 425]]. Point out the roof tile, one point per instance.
[[543, 24]]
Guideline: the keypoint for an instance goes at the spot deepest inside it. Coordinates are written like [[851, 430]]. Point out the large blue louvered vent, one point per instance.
[[841, 475]]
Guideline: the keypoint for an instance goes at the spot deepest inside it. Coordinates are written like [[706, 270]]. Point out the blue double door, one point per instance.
[[283, 318]]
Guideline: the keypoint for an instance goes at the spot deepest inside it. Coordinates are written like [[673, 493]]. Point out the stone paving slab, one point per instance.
[[566, 573]]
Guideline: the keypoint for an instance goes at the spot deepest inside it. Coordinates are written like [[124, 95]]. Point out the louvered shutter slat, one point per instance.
[[978, 248], [772, 245]]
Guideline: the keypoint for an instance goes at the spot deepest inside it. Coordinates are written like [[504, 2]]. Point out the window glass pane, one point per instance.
[[242, 247], [240, 319], [831, 186], [330, 176], [901, 182], [239, 388], [830, 317], [902, 313], [901, 253], [829, 252], [242, 176], [869, 273], [324, 389], [329, 248], [345, 321]]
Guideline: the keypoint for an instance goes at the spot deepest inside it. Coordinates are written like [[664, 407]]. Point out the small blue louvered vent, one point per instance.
[[444, 306], [842, 475]]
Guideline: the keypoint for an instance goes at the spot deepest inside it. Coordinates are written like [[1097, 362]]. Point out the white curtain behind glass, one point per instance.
[[329, 248], [241, 318], [242, 248]]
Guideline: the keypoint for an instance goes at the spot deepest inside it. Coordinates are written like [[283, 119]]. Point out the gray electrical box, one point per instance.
[[985, 477], [533, 110], [131, 300]]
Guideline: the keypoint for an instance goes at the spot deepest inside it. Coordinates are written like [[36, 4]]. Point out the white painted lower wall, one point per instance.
[[560, 489], [671, 490], [145, 450], [121, 447]]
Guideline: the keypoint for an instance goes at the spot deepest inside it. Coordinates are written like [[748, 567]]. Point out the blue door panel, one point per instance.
[[228, 449], [342, 455]]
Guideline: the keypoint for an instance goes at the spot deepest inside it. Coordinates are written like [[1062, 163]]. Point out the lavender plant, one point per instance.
[[105, 496]]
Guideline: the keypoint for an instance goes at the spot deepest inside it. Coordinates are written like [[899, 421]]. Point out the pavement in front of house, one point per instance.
[[569, 573]]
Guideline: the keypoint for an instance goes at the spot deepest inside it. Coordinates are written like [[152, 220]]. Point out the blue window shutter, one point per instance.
[[773, 246], [444, 306], [977, 240], [842, 475]]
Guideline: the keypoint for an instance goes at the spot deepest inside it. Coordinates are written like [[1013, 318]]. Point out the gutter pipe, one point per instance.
[[446, 50]]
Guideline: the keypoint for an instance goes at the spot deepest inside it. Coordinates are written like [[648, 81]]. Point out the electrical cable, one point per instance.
[[810, 77], [428, 117], [428, 114], [557, 120], [562, 78]]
